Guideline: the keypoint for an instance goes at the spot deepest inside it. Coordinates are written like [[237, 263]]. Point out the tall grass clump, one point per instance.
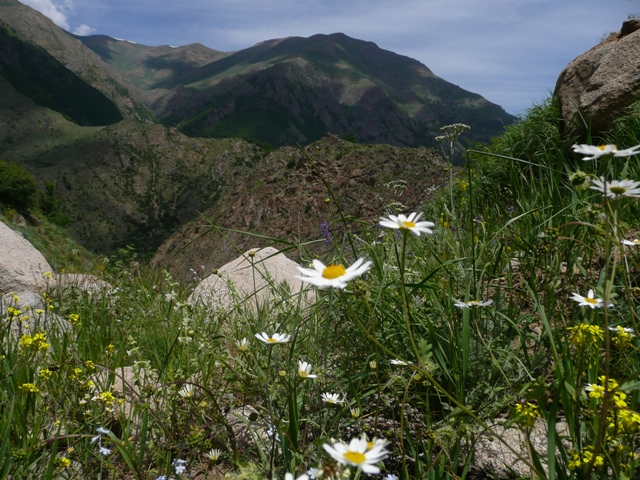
[[506, 307]]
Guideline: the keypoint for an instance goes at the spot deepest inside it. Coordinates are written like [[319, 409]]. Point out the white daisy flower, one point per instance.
[[289, 476], [332, 398], [472, 303], [616, 188], [618, 329], [186, 391], [333, 276], [401, 363], [243, 345], [213, 454], [589, 300], [304, 370], [631, 243], [410, 223], [594, 152], [359, 453], [273, 339]]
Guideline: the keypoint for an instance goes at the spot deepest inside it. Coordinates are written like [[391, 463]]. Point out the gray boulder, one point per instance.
[[22, 267], [602, 82], [81, 281], [256, 276], [494, 452]]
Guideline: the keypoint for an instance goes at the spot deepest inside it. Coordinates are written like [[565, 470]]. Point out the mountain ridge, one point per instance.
[[233, 93]]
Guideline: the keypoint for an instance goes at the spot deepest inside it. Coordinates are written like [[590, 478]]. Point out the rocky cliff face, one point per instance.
[[599, 84], [284, 197], [133, 183]]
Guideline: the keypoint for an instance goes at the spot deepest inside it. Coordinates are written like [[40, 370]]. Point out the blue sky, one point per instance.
[[509, 51]]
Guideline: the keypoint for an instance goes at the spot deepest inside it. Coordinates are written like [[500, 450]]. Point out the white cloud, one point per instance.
[[57, 13], [84, 30]]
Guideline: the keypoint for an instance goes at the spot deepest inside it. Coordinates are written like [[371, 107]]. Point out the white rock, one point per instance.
[[250, 279], [22, 267]]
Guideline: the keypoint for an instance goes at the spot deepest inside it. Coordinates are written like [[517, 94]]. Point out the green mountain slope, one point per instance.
[[38, 75], [150, 67], [34, 49], [295, 90], [127, 183]]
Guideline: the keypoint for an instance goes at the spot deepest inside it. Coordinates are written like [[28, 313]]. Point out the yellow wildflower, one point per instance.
[[526, 414], [37, 342], [74, 319], [586, 335], [29, 387]]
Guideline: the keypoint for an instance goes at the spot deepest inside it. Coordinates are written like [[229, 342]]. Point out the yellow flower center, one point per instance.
[[333, 271], [592, 301], [303, 373], [354, 457], [272, 340], [618, 190], [602, 147], [409, 224]]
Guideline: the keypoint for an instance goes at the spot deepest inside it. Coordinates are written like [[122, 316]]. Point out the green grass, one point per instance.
[[511, 229], [53, 241]]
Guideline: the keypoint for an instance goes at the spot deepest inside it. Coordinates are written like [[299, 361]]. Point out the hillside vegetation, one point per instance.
[[497, 312]]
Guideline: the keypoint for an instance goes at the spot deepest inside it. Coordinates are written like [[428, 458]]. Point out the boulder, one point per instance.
[[599, 84], [494, 452], [81, 281], [22, 267], [257, 275]]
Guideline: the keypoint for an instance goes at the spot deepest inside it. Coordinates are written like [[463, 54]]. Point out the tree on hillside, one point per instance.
[[17, 187]]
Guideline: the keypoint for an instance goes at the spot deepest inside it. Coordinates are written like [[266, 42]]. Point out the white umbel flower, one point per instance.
[[359, 453], [410, 223], [333, 276]]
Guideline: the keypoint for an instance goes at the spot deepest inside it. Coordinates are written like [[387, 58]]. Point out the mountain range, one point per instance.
[[294, 90], [138, 140]]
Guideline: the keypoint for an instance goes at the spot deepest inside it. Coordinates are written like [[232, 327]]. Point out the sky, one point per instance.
[[509, 51]]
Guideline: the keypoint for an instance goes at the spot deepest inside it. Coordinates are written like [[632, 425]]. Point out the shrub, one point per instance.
[[17, 187]]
